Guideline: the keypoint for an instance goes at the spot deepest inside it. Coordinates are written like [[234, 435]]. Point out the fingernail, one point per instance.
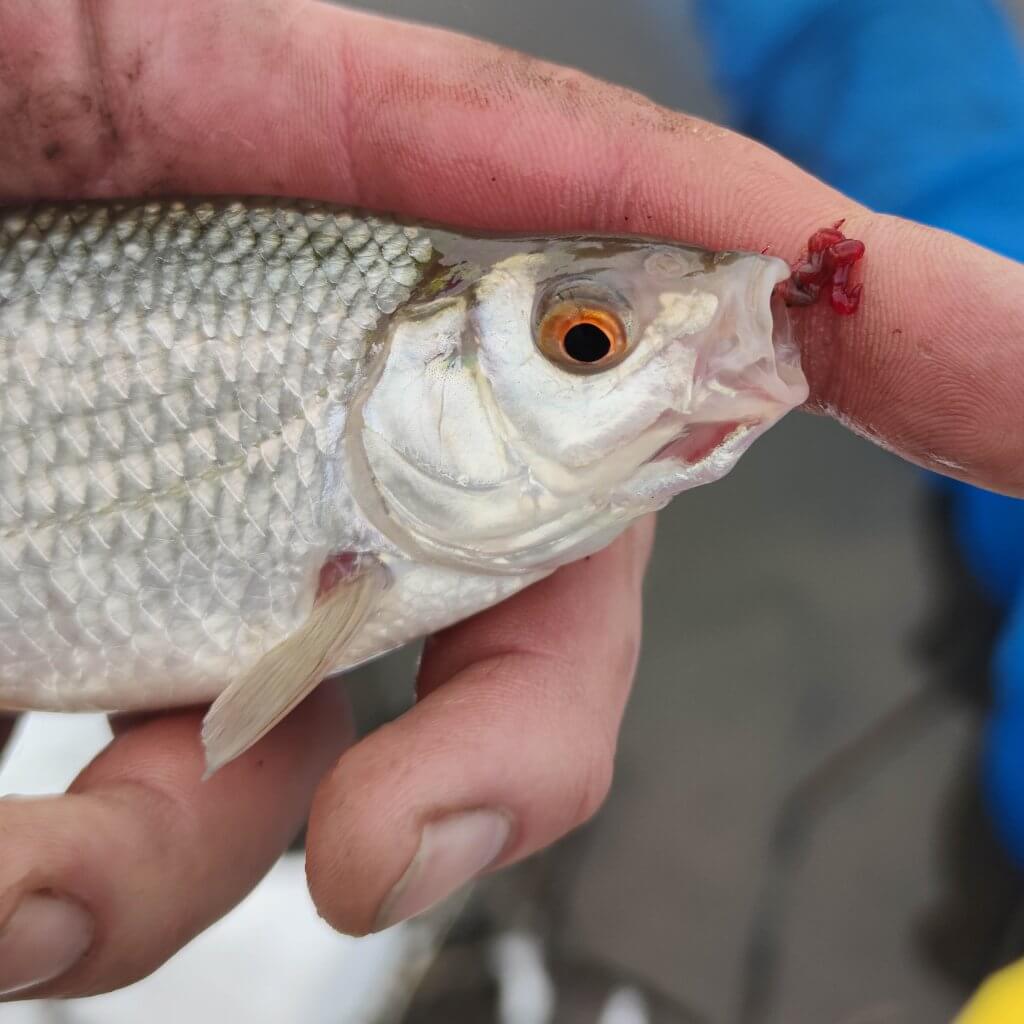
[[44, 938], [452, 852]]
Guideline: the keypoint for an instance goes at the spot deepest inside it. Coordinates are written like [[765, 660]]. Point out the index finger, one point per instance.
[[323, 102], [318, 101]]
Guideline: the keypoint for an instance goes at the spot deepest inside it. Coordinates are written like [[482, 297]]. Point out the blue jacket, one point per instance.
[[914, 108]]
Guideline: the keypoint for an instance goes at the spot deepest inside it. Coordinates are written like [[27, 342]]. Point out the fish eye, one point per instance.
[[583, 337], [586, 343]]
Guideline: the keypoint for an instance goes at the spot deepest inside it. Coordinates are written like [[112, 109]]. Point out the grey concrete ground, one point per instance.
[[781, 607]]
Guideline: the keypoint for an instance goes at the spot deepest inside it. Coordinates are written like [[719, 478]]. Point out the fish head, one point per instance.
[[544, 393]]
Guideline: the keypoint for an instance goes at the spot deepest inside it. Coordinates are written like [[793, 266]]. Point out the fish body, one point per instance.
[[211, 407]]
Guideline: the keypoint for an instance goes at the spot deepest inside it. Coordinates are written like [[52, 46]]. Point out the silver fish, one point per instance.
[[249, 443]]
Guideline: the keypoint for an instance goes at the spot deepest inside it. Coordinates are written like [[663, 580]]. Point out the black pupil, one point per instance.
[[587, 343]]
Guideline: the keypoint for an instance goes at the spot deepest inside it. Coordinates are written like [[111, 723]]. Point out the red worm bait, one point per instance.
[[825, 270]]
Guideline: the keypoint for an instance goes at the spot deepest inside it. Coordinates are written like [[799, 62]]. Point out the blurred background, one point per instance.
[[797, 832]]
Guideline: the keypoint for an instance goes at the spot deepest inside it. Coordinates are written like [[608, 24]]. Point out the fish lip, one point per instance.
[[788, 354], [697, 444]]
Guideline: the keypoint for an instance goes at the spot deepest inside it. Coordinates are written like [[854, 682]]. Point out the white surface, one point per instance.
[[526, 991], [625, 1006], [48, 751]]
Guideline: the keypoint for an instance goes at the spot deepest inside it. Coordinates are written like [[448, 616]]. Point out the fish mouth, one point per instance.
[[700, 454], [788, 358], [701, 441]]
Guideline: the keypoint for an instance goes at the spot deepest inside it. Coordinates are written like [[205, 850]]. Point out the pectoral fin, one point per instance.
[[256, 701]]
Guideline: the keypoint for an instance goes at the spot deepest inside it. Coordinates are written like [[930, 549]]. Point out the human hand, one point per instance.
[[520, 706]]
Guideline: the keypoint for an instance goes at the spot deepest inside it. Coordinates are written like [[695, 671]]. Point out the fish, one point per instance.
[[248, 443]]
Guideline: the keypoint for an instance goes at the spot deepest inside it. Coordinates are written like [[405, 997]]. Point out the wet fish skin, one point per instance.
[[206, 401], [163, 442]]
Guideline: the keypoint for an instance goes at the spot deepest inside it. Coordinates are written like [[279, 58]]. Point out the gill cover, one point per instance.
[[519, 416]]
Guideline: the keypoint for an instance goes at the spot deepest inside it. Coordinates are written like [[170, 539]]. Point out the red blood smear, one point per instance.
[[846, 300], [337, 568], [824, 239], [825, 270]]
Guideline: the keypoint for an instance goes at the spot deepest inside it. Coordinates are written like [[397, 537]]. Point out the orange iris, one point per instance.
[[581, 337]]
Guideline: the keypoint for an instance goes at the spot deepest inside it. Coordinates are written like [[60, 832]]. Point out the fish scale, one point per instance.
[[246, 444], [170, 369]]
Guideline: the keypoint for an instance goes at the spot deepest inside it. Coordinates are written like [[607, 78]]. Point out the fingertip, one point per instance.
[[927, 366], [518, 717], [452, 851], [153, 852]]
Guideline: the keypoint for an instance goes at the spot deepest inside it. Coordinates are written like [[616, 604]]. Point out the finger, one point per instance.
[[510, 748], [318, 101], [101, 886], [931, 366]]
